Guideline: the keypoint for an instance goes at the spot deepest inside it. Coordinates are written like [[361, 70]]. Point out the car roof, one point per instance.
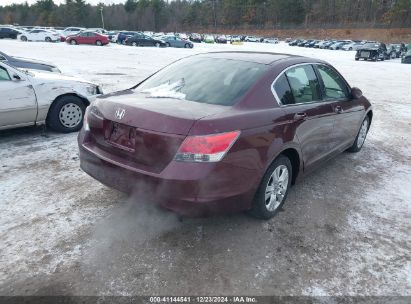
[[257, 57]]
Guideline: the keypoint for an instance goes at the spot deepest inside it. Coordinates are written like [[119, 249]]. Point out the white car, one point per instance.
[[271, 40], [39, 35], [252, 39], [36, 98], [71, 31]]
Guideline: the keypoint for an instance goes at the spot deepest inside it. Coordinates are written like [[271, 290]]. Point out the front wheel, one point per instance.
[[66, 114], [168, 44], [273, 189], [73, 42], [361, 136], [157, 45], [23, 38], [48, 39]]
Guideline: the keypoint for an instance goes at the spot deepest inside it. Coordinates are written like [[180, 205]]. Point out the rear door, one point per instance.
[[349, 112], [310, 116], [18, 104]]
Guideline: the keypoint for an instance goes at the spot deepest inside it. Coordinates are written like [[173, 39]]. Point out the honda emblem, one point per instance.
[[120, 113]]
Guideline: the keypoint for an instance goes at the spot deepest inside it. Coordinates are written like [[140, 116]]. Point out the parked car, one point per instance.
[[396, 50], [29, 64], [39, 35], [173, 41], [328, 44], [353, 46], [35, 98], [9, 32], [372, 51], [215, 133], [271, 40], [302, 43], [196, 38], [68, 31], [339, 45], [88, 38], [294, 42], [311, 44], [406, 58], [209, 39], [221, 39], [123, 35], [236, 40], [252, 39], [112, 36], [144, 40]]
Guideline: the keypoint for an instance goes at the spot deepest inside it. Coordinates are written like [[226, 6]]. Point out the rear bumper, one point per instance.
[[192, 189]]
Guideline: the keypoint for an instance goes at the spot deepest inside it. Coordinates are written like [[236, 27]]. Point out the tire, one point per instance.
[[361, 136], [265, 205], [23, 38], [99, 43], [356, 59], [350, 49], [134, 43], [73, 42], [393, 56], [168, 44], [66, 114], [157, 45], [186, 46], [48, 39], [375, 58]]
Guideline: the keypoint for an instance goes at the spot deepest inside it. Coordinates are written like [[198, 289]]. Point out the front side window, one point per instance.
[[4, 75], [304, 84], [334, 85]]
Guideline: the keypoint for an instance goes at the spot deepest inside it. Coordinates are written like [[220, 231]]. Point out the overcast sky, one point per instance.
[[7, 2]]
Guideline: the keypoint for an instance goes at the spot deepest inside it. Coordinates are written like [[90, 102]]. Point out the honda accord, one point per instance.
[[223, 132]]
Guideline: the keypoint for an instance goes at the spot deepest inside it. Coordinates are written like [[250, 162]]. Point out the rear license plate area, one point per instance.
[[365, 54], [122, 137]]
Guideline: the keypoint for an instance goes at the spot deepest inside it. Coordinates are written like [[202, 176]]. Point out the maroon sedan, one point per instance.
[[88, 38], [223, 132]]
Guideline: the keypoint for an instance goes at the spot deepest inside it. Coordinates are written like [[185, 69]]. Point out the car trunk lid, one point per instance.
[[141, 131]]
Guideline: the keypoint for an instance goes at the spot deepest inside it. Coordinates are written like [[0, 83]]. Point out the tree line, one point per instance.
[[197, 15]]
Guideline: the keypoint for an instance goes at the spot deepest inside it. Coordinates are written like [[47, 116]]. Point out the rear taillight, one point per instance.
[[206, 148]]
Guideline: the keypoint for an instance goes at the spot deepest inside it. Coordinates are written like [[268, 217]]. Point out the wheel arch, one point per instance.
[[370, 115]]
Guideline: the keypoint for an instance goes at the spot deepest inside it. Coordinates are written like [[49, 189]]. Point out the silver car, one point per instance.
[[36, 98], [174, 41]]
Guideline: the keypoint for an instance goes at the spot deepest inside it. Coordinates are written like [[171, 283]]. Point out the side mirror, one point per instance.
[[356, 93], [16, 77]]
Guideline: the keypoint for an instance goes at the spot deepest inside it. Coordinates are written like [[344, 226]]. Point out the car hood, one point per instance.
[[41, 75]]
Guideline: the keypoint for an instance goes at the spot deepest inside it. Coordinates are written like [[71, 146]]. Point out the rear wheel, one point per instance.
[[273, 189], [393, 56], [134, 43], [66, 114], [99, 43], [168, 44], [157, 44], [23, 38], [361, 136]]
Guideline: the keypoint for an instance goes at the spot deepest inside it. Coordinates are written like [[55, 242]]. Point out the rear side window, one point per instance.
[[334, 85], [206, 80], [283, 90], [304, 84]]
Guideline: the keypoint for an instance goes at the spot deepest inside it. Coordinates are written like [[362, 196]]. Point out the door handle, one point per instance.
[[300, 116], [338, 109]]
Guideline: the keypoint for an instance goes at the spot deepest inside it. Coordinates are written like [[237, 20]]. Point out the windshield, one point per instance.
[[205, 80]]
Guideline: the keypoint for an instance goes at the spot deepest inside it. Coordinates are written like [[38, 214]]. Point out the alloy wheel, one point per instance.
[[276, 188]]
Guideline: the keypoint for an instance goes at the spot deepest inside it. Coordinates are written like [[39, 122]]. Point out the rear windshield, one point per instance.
[[205, 80]]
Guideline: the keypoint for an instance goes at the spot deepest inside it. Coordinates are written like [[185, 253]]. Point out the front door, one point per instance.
[[349, 112], [18, 104]]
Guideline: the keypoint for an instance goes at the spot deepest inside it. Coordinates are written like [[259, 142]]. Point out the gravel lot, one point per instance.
[[345, 230]]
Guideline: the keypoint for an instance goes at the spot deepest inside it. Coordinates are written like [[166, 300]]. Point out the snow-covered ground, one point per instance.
[[345, 230]]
